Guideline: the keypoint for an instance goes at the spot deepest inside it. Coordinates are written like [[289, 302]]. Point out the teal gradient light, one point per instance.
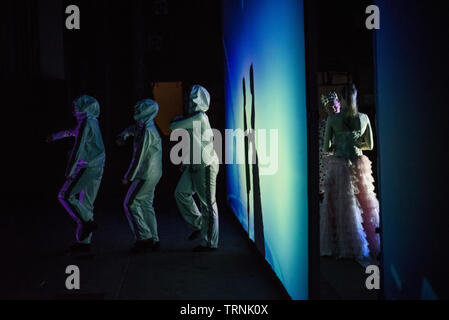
[[269, 35]]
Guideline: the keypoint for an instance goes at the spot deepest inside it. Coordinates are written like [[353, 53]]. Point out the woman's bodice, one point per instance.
[[349, 135]]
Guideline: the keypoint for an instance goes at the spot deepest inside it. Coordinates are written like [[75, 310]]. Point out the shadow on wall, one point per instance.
[[250, 142]]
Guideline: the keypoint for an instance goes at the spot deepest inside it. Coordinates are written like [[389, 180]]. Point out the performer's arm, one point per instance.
[[186, 123], [79, 150], [367, 141], [61, 135], [128, 132], [139, 156]]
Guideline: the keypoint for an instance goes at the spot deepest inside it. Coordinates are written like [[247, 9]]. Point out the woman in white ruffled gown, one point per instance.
[[349, 214]]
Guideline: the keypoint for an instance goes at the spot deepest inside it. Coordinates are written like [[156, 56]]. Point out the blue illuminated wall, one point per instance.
[[412, 118], [269, 36]]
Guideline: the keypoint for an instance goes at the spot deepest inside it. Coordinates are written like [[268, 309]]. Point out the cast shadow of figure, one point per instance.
[[250, 142]]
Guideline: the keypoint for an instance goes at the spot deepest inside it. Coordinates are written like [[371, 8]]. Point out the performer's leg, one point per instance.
[[133, 210], [186, 205], [205, 181]]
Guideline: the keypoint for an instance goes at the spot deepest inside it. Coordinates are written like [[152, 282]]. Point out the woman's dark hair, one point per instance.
[[350, 105]]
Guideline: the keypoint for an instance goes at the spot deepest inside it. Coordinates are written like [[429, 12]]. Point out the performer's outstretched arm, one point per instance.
[[61, 135], [128, 132], [186, 123]]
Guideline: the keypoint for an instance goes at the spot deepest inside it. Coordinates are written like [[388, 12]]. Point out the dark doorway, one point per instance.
[[340, 51]]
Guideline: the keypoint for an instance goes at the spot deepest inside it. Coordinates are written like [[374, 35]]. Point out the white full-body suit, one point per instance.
[[199, 178], [144, 172], [86, 164]]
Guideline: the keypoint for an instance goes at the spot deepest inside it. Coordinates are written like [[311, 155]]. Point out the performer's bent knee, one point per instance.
[[132, 206]]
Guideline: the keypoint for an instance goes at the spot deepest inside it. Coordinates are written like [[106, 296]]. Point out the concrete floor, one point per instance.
[[34, 264], [344, 280]]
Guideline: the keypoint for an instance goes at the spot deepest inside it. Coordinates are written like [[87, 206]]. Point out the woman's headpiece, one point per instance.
[[330, 98]]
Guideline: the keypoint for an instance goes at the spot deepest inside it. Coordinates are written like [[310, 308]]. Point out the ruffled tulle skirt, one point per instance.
[[349, 214]]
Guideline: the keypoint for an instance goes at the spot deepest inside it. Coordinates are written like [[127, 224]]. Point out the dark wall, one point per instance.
[[345, 45], [121, 49], [412, 68]]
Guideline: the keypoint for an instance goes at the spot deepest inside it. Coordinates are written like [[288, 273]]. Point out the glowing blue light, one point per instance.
[[269, 36]]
